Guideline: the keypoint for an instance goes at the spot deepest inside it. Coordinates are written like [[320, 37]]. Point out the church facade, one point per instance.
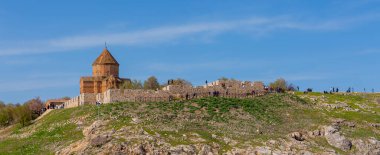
[[105, 75]]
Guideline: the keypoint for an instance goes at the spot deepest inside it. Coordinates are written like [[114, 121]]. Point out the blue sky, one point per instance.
[[45, 46]]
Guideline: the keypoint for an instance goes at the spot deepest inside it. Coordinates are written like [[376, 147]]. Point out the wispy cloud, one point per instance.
[[170, 33]]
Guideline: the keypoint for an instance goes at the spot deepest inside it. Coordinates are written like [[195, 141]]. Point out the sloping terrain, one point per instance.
[[276, 123]]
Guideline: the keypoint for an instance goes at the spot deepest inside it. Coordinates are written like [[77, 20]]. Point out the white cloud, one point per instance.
[[164, 34]]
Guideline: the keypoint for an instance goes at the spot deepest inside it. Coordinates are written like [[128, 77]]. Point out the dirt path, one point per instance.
[[4, 132], [45, 113]]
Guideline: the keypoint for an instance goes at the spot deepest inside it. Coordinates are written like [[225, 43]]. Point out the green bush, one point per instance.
[[23, 114]]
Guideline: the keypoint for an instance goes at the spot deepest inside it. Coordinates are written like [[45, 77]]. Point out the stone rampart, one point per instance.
[[171, 92], [73, 102], [134, 95]]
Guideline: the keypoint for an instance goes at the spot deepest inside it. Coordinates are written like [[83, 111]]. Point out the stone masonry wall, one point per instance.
[[73, 102], [132, 95], [87, 98], [172, 92]]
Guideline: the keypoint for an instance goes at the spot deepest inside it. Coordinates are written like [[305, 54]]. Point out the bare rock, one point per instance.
[[305, 153], [88, 131], [100, 140], [338, 120], [368, 147], [139, 150], [349, 124], [183, 150], [297, 136], [263, 150], [376, 125], [334, 138], [314, 133], [206, 150], [136, 120]]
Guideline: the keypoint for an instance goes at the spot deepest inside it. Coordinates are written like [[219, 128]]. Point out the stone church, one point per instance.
[[104, 87], [105, 75]]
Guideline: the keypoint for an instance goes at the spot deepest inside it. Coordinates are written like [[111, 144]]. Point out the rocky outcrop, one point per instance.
[[297, 136], [334, 138], [134, 140], [367, 147]]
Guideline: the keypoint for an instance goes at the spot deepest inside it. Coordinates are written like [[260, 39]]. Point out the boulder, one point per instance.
[[100, 140], [369, 147], [334, 138], [140, 149], [206, 150], [297, 136], [88, 131], [314, 133], [376, 125], [263, 151], [350, 124], [182, 150]]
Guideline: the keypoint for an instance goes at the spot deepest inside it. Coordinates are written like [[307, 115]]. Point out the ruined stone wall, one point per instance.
[[73, 102], [134, 95], [217, 91], [175, 92]]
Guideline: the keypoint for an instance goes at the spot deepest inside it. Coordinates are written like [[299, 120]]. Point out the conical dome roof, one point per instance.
[[105, 58]]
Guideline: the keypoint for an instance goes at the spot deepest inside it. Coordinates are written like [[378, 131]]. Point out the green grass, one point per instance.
[[52, 129], [360, 132], [356, 116]]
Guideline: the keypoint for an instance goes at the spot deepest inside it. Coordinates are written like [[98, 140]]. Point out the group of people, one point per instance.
[[274, 90], [349, 90], [53, 106], [213, 94], [334, 90], [98, 103]]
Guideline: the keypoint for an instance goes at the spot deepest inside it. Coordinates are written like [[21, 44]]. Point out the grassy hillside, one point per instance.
[[243, 122]]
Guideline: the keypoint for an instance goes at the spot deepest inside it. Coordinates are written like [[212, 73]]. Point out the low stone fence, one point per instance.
[[216, 91], [73, 102], [134, 95], [140, 95], [174, 93]]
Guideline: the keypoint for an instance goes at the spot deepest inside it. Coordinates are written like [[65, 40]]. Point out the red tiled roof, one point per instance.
[[105, 58]]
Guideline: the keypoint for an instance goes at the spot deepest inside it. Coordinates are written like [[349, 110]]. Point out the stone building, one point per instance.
[[55, 103], [105, 75], [104, 87]]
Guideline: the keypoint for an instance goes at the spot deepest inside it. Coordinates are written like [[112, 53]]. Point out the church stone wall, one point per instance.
[[87, 98], [105, 70]]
